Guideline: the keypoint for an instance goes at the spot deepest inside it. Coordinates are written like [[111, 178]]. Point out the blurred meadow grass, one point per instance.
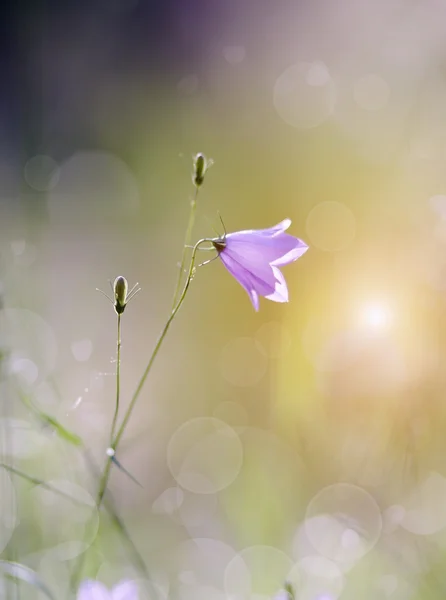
[[316, 428]]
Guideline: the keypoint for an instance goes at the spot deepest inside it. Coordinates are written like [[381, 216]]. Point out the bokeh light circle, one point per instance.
[[18, 247], [393, 517], [42, 173], [316, 577], [371, 92], [197, 512], [304, 95], [82, 349], [343, 522], [169, 501], [24, 369], [331, 226], [438, 204], [203, 561], [242, 362], [23, 252], [257, 571], [204, 455]]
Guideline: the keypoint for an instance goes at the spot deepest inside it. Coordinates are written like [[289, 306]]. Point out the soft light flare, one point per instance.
[[375, 317]]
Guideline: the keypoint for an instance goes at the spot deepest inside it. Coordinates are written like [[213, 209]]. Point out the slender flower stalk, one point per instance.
[[121, 430], [201, 165], [190, 225], [118, 375], [121, 297]]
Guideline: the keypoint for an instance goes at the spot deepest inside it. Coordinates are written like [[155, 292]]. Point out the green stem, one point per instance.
[[193, 208], [114, 445], [118, 373], [106, 472], [103, 482]]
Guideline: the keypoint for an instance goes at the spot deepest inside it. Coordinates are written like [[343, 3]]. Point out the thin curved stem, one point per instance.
[[193, 208], [118, 375], [119, 434]]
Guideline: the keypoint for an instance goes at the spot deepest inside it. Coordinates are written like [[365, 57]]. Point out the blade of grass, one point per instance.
[[47, 419], [40, 482]]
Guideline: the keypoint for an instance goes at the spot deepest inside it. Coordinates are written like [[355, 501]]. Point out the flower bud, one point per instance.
[[201, 165], [121, 295], [120, 288]]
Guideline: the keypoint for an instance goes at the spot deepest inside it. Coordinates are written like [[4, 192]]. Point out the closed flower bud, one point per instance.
[[120, 288], [201, 165], [121, 295]]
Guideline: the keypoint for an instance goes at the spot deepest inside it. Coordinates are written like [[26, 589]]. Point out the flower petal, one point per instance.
[[279, 228], [125, 590], [300, 247], [93, 590], [269, 232], [252, 250], [253, 285], [265, 233], [244, 280], [258, 271], [280, 293]]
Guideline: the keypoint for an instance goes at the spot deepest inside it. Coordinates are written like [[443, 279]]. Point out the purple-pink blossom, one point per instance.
[[95, 590], [253, 258]]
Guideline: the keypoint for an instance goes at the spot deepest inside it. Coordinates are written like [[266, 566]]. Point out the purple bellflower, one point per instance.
[[94, 590], [253, 258]]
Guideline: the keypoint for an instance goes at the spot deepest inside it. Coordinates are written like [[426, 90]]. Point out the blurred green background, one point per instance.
[[303, 442]]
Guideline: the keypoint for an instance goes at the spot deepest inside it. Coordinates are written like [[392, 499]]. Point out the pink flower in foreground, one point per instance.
[[94, 590], [253, 258]]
